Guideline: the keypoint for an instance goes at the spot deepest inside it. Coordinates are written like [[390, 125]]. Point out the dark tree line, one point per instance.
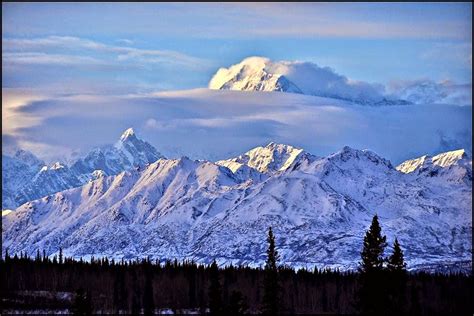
[[382, 286]]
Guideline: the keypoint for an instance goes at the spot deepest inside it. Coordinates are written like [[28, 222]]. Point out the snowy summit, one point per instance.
[[127, 134], [263, 74]]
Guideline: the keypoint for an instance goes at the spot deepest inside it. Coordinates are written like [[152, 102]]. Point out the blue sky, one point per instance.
[[371, 42], [63, 50]]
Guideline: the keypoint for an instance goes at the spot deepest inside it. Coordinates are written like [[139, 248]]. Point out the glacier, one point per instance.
[[319, 208]]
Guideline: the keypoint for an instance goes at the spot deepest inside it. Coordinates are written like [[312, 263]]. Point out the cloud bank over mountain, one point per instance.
[[263, 74], [217, 124]]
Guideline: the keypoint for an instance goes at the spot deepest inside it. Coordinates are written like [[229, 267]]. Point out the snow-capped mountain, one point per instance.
[[48, 180], [17, 170], [127, 153], [26, 178], [268, 159], [454, 166], [263, 74], [28, 158], [319, 208], [252, 74]]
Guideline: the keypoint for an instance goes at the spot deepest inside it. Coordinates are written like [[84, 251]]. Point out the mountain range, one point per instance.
[[26, 178], [126, 201]]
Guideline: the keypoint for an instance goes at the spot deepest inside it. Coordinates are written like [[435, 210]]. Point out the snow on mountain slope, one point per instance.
[[28, 158], [453, 166], [251, 75], [268, 159], [262, 74], [48, 180], [319, 209], [127, 153], [26, 178], [135, 211], [16, 171]]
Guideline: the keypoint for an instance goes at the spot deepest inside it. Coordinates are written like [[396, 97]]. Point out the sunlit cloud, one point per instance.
[[13, 50], [208, 124], [9, 59]]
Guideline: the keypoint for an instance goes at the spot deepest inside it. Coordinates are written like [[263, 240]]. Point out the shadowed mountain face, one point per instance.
[[319, 208], [26, 178]]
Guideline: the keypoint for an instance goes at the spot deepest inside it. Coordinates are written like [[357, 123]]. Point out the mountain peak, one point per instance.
[[271, 158], [442, 160], [252, 74], [128, 134], [262, 74], [28, 158]]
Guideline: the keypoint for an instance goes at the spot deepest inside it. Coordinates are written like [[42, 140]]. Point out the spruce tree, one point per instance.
[[396, 261], [60, 255], [374, 246], [271, 282], [215, 300], [38, 256], [397, 280], [148, 304], [373, 296]]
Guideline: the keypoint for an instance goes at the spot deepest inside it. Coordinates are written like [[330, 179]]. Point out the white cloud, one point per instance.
[[312, 79], [49, 59], [425, 91], [210, 124], [15, 49], [125, 41], [308, 77]]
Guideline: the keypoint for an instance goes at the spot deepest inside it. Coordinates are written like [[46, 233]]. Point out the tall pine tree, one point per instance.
[[374, 246], [60, 255], [271, 286], [373, 296], [396, 262], [215, 299], [397, 281]]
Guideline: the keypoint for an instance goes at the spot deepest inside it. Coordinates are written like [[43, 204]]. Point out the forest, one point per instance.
[[381, 286]]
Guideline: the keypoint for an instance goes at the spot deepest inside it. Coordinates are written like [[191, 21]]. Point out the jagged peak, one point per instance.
[[56, 165], [347, 152], [274, 145], [270, 158], [128, 134], [442, 160], [27, 157], [449, 158]]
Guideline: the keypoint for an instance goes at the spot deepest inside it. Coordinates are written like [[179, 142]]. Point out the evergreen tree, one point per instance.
[[396, 262], [373, 296], [38, 256], [374, 246], [148, 304], [60, 255], [271, 288], [215, 300], [396, 280]]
